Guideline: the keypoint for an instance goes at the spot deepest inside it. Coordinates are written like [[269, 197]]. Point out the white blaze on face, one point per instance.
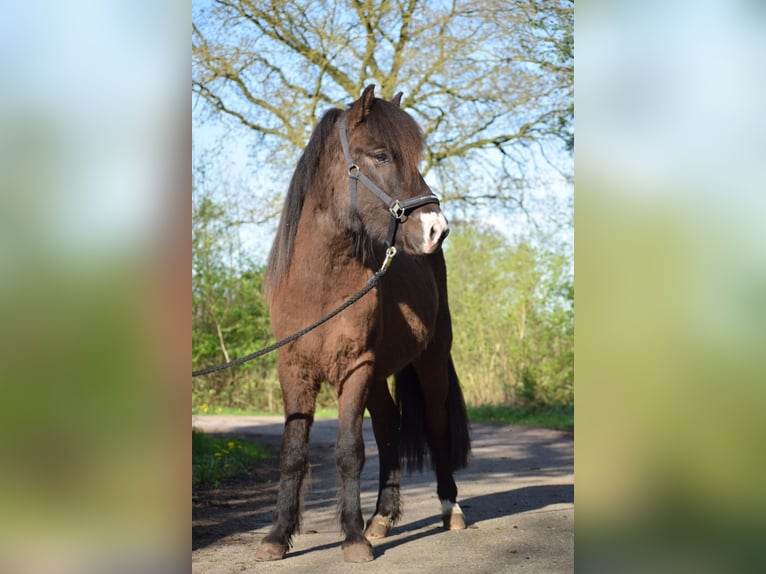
[[434, 226]]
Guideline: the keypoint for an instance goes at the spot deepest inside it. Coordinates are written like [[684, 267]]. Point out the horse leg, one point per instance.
[[385, 424], [299, 396], [437, 385], [349, 457], [446, 489]]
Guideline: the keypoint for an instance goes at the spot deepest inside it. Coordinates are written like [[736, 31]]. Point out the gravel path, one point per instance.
[[517, 494]]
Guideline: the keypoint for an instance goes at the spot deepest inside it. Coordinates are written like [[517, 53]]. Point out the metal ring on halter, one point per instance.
[[397, 211], [353, 169]]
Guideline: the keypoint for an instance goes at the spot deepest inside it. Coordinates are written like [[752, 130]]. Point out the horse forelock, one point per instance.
[[395, 129], [282, 250]]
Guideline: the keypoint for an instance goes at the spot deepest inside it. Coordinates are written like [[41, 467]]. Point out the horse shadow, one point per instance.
[[479, 510]]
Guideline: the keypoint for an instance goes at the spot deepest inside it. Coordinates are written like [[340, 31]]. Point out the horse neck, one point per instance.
[[323, 242]]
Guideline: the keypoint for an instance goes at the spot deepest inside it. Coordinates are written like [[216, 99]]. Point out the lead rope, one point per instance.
[[371, 283]]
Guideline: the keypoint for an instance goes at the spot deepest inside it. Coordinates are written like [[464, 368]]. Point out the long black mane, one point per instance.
[[281, 253]]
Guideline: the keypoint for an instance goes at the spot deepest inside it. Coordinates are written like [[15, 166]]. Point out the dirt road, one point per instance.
[[517, 494]]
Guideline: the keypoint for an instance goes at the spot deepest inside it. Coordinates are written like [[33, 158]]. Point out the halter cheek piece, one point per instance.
[[399, 209]]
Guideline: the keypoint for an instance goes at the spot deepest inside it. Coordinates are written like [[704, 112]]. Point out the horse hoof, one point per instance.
[[357, 552], [268, 551], [378, 527], [454, 521], [452, 516]]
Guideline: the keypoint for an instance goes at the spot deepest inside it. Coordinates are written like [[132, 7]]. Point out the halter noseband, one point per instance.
[[399, 209]]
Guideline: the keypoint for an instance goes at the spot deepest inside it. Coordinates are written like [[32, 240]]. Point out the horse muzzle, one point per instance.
[[429, 235]]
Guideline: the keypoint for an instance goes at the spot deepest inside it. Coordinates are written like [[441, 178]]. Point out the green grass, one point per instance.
[[214, 458], [554, 417], [320, 413]]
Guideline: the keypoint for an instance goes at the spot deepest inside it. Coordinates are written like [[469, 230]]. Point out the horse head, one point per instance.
[[382, 146]]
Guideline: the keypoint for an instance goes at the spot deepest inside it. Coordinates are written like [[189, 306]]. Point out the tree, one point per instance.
[[491, 84], [489, 81], [513, 318], [229, 312]]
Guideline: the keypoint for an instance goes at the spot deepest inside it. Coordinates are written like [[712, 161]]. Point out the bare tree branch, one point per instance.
[[480, 76]]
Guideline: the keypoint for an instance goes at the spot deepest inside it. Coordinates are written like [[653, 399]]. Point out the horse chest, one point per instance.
[[412, 324], [408, 317]]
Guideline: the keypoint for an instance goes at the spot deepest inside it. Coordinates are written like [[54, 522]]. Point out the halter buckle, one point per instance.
[[397, 211]]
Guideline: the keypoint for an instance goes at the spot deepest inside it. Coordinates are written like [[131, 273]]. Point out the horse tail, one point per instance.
[[460, 438], [411, 403], [412, 432]]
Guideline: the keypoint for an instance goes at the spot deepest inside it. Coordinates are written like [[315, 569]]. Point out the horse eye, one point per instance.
[[381, 157]]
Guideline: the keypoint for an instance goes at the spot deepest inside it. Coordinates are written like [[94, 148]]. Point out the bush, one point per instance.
[[513, 319]]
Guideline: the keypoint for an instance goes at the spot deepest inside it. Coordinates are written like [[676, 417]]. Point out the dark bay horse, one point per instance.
[[356, 189]]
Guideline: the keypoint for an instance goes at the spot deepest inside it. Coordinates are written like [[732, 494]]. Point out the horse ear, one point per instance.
[[397, 100], [360, 109], [368, 95]]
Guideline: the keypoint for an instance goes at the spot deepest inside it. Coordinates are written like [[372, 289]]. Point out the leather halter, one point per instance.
[[399, 209]]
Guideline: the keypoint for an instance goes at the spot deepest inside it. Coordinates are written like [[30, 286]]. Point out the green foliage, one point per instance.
[[229, 316], [214, 458], [513, 319]]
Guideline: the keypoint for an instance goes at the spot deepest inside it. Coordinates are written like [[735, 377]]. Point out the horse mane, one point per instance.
[[281, 253]]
